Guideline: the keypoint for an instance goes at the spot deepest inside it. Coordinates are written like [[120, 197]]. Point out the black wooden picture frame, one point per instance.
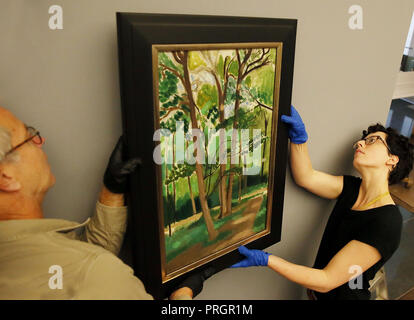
[[137, 35]]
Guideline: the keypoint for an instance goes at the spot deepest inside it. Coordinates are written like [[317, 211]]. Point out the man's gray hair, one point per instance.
[[5, 146]]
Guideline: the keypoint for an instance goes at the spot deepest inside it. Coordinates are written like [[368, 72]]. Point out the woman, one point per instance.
[[364, 228]]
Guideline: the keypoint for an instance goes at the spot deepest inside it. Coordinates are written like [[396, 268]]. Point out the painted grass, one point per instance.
[[196, 232]]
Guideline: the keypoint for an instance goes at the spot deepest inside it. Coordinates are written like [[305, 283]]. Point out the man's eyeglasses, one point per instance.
[[34, 136], [371, 140]]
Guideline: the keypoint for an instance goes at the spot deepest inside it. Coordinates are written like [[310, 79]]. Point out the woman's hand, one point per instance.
[[254, 258], [297, 132]]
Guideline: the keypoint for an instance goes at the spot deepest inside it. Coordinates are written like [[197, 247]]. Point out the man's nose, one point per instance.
[[42, 142]]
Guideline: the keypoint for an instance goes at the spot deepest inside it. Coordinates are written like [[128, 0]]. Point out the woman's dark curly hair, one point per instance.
[[399, 146]]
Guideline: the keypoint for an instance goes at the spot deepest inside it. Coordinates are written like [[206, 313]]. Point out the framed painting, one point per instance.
[[201, 101]]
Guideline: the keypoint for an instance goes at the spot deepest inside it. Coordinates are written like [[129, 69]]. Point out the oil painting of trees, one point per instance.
[[215, 184]]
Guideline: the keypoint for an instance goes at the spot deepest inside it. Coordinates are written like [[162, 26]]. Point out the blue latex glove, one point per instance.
[[253, 258], [297, 132]]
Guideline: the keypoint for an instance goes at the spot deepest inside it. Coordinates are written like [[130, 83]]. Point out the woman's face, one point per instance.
[[375, 155]]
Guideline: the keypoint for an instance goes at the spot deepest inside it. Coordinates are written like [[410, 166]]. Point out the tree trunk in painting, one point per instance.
[[244, 177], [166, 177], [174, 191], [233, 146], [240, 176], [264, 150], [222, 186], [191, 195], [190, 188], [221, 92], [240, 77], [245, 67], [182, 58]]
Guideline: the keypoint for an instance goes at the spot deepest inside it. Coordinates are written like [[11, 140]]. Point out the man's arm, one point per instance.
[[182, 294], [108, 224], [192, 285], [110, 199]]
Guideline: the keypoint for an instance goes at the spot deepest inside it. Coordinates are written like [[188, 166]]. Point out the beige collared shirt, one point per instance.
[[48, 259]]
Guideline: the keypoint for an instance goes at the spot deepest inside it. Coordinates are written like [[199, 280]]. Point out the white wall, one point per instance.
[[65, 83]]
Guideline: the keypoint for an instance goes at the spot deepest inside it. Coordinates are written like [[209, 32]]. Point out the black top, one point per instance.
[[379, 227]]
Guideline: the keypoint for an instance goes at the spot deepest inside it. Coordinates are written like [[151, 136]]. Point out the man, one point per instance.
[[46, 258]]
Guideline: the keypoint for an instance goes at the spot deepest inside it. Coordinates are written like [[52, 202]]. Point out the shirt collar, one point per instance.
[[14, 229]]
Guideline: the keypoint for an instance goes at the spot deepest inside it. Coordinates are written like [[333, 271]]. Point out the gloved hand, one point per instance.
[[117, 171], [297, 132], [253, 258], [195, 281]]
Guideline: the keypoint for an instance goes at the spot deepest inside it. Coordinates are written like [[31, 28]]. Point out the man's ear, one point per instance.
[[8, 182]]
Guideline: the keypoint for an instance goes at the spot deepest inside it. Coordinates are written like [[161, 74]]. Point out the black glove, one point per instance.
[[195, 281], [117, 171]]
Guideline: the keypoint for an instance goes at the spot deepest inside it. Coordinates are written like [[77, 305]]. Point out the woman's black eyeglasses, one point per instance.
[[371, 140]]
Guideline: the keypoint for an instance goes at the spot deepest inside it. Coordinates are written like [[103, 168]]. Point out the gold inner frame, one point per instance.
[[215, 46]]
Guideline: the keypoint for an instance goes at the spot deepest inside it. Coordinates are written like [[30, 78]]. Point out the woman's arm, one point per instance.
[[355, 255], [314, 279], [320, 183]]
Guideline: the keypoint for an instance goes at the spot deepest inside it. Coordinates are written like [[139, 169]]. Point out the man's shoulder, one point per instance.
[[70, 243]]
